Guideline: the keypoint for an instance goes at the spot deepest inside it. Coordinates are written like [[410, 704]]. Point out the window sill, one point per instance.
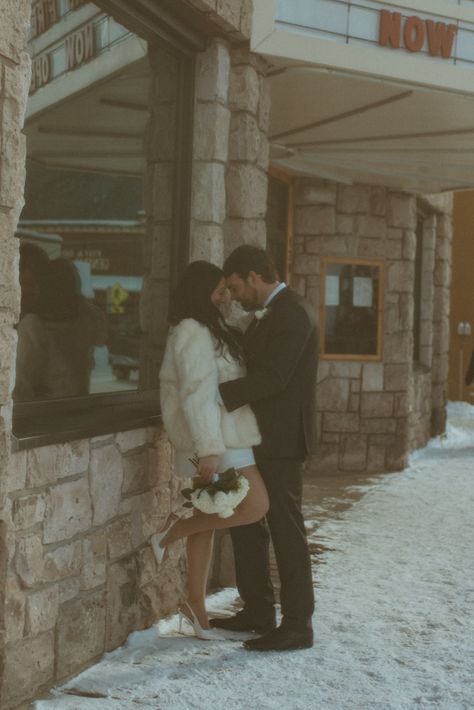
[[43, 423]]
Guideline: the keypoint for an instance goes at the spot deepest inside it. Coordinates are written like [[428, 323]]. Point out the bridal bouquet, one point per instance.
[[221, 496]]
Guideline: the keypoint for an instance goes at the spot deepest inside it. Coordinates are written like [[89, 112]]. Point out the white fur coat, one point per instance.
[[189, 378]]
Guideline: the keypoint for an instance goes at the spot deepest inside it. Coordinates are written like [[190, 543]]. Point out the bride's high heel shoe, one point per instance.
[[156, 539], [199, 632]]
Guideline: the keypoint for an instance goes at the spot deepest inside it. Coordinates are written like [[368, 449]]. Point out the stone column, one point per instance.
[[246, 176], [14, 83], [442, 283]]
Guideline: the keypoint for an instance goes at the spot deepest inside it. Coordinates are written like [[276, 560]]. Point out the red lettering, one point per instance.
[[80, 47], [440, 38], [390, 25], [414, 34], [40, 72]]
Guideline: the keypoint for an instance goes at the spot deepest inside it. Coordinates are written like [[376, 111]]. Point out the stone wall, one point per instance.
[[371, 414], [230, 152], [81, 573]]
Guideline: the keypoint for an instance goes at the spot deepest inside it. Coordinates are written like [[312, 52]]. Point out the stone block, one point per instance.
[[28, 511], [17, 471], [68, 511], [393, 249], [378, 426], [324, 367], [148, 513], [211, 132], [29, 563], [244, 91], [42, 610], [246, 191], [137, 477], [397, 377], [340, 422], [370, 226], [229, 11], [312, 192], [29, 668], [77, 455], [119, 538], [45, 465], [147, 566], [409, 244], [69, 588], [402, 211], [353, 199], [371, 248], [325, 461], [376, 404], [376, 459], [353, 453], [378, 201], [351, 370], [244, 231], [345, 224], [314, 220], [94, 556], [130, 440], [333, 395], [80, 633], [213, 73], [207, 243], [305, 264], [264, 104], [14, 610], [123, 607], [245, 138], [64, 561], [398, 347], [400, 276], [372, 377], [209, 196], [106, 479]]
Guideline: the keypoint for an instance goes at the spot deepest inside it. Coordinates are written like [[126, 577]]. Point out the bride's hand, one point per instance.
[[207, 467]]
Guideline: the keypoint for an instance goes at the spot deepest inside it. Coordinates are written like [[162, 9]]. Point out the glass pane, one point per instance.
[[97, 229], [351, 309]]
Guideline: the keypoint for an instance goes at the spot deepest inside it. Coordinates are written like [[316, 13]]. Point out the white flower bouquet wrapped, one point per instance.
[[222, 496]]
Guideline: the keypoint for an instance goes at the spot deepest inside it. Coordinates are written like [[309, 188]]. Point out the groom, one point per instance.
[[281, 350]]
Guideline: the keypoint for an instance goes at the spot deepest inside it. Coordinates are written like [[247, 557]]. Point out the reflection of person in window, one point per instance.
[[33, 264], [54, 354]]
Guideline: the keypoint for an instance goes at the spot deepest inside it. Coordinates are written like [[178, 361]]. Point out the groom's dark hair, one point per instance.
[[247, 258]]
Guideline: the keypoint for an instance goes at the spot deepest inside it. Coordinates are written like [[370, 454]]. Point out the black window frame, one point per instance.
[[43, 423]]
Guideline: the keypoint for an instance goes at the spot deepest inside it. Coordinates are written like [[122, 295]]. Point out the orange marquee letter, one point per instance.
[[390, 24], [440, 38]]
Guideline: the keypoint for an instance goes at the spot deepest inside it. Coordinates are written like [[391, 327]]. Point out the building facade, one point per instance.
[[314, 128]]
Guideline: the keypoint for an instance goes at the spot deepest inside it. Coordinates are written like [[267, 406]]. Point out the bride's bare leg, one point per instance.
[[199, 552], [253, 508]]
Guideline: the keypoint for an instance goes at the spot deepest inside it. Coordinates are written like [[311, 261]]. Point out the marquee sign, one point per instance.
[[416, 31], [75, 48]]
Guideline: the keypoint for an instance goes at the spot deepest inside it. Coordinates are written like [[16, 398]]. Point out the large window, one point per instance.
[[104, 230], [351, 317]]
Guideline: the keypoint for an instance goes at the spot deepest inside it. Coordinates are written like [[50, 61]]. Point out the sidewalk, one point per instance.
[[394, 622]]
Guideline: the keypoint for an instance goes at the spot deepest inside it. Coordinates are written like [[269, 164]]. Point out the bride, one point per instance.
[[202, 351]]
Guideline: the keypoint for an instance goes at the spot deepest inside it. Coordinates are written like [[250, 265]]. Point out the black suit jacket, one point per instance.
[[281, 353]]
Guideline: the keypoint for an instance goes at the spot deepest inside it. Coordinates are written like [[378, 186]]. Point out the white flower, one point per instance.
[[261, 313], [223, 503]]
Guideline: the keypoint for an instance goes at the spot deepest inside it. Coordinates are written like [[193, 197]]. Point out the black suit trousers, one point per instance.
[[283, 479]]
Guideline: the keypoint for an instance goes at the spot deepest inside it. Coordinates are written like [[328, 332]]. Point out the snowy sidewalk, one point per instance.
[[394, 622]]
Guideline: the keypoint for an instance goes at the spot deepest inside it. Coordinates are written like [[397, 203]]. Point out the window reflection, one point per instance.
[[81, 281], [351, 309]]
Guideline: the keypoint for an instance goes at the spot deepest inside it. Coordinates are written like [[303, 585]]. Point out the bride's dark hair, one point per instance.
[[192, 299]]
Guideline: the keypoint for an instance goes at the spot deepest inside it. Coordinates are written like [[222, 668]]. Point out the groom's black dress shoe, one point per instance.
[[281, 639], [243, 622]]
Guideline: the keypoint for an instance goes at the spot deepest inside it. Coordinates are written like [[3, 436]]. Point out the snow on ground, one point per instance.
[[394, 623]]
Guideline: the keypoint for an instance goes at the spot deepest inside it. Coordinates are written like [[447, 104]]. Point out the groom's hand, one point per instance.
[[207, 467]]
